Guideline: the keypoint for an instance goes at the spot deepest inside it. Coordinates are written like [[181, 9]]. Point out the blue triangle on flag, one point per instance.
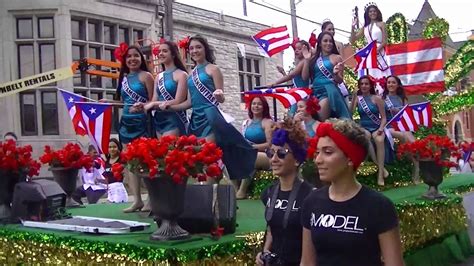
[[70, 99], [419, 107], [263, 43], [93, 110]]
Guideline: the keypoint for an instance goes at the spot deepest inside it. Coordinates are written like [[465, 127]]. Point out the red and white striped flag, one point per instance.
[[367, 57], [412, 116], [287, 96], [418, 64], [273, 40]]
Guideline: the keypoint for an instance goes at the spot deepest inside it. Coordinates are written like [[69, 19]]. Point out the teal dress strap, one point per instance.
[[133, 125], [238, 155], [255, 132], [168, 121], [309, 128]]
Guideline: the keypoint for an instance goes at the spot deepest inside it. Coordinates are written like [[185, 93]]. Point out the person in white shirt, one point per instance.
[[93, 182]]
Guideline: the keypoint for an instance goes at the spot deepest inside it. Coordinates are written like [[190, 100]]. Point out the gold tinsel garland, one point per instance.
[[396, 29], [436, 27], [453, 104], [460, 64]]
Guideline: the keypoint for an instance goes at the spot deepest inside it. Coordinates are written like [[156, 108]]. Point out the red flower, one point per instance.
[[119, 52], [312, 106], [17, 159], [433, 147], [70, 155], [184, 43]]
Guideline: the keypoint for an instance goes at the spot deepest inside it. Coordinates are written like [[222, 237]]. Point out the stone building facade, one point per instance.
[[41, 35]]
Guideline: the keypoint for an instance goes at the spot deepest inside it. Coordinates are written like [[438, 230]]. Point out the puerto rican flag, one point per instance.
[[418, 64], [98, 120], [366, 57], [273, 40], [412, 116], [76, 117], [287, 96]]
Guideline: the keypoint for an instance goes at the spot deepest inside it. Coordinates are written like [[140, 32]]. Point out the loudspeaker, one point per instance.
[[37, 200], [198, 216]]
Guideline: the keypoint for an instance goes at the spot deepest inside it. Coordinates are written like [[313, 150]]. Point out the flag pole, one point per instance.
[[351, 56], [391, 120]]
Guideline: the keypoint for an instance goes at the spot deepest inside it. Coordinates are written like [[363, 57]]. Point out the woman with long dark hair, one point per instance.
[[257, 129], [205, 93], [347, 223], [135, 86], [395, 99], [373, 119], [328, 26], [171, 87], [115, 188], [324, 67], [295, 74], [374, 30]]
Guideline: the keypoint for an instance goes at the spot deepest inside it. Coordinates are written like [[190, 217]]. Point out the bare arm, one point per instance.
[[306, 63], [296, 71], [267, 126], [391, 247], [381, 106], [384, 36], [338, 68], [308, 256], [355, 36], [148, 80], [354, 101], [218, 79], [182, 87], [178, 107], [266, 246]]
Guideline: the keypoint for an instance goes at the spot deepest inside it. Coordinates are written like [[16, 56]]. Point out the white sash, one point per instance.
[[375, 119], [388, 102], [131, 93], [167, 96], [323, 69], [207, 94]]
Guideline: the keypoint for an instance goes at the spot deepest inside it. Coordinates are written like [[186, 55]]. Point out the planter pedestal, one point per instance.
[[66, 178], [432, 175]]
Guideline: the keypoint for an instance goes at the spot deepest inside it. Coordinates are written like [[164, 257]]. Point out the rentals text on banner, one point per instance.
[[35, 81]]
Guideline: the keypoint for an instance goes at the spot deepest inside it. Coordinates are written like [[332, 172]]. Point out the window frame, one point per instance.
[[249, 76]]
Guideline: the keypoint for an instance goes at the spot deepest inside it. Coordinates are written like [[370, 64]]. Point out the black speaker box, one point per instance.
[[198, 216]]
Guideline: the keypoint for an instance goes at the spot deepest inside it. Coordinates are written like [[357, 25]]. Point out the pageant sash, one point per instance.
[[375, 119], [388, 102], [167, 96], [323, 69], [131, 93], [207, 94]]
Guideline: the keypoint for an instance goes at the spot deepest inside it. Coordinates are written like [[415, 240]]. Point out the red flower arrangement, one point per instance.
[[71, 156], [433, 147], [17, 159], [120, 51], [184, 43], [312, 106], [174, 157]]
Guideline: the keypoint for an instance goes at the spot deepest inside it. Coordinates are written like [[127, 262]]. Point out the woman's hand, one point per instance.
[[164, 105], [219, 94], [103, 100], [281, 70], [380, 131], [259, 261], [137, 108], [307, 54], [338, 68], [298, 117], [148, 106]]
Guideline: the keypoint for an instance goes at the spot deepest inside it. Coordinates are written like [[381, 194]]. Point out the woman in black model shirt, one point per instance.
[[283, 199], [347, 223]]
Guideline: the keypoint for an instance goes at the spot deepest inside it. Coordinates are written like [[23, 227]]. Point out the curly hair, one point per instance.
[[290, 132], [350, 130]]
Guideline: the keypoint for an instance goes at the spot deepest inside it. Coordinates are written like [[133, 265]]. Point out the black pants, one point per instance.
[[92, 195]]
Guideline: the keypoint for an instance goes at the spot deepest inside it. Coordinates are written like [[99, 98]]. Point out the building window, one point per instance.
[[93, 32], [249, 73], [138, 37], [123, 35], [45, 28], [24, 28], [36, 54], [28, 113], [49, 114], [109, 36], [77, 30]]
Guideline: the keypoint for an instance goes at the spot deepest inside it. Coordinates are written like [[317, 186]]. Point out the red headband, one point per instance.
[[352, 150]]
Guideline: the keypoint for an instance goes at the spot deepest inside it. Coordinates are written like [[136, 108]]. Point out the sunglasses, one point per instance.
[[281, 153]]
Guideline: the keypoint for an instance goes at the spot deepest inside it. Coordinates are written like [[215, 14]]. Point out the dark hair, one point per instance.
[[325, 24], [366, 15], [176, 56], [319, 51], [207, 48], [125, 70], [400, 89], [91, 148], [304, 43], [266, 107], [119, 147], [371, 82], [10, 134]]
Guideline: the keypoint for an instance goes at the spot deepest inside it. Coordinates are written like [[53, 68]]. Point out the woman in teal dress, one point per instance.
[[170, 87], [205, 86], [295, 74], [305, 112], [135, 86], [395, 100], [324, 67], [257, 130], [373, 119]]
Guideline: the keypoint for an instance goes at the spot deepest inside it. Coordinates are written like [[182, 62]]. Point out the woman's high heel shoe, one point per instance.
[[134, 208]]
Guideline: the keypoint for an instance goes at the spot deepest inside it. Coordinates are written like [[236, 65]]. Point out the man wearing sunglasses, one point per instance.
[[282, 200]]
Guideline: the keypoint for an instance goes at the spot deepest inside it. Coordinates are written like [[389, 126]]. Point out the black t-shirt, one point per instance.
[[108, 171], [286, 242], [346, 233]]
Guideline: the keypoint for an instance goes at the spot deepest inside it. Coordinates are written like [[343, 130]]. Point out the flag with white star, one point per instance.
[[98, 120], [367, 57], [69, 99], [273, 40]]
